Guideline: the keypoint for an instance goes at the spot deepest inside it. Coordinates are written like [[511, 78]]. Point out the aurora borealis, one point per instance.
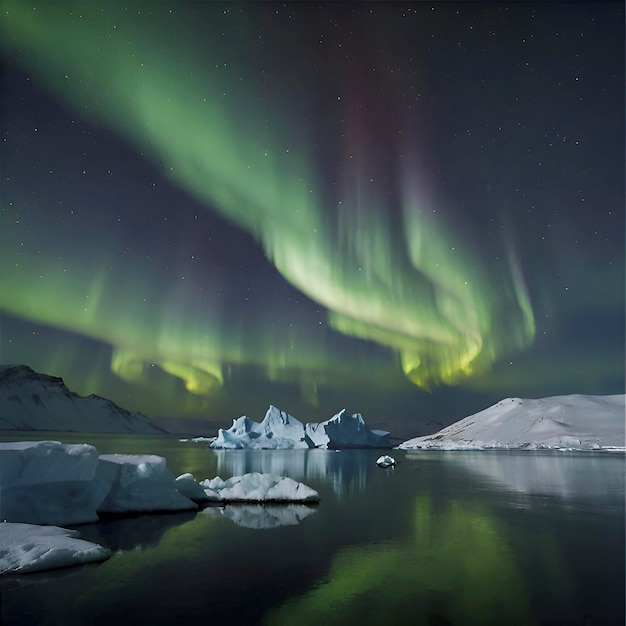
[[402, 208]]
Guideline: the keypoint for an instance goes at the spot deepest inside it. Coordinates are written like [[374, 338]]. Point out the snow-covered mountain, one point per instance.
[[574, 422], [280, 430], [34, 401]]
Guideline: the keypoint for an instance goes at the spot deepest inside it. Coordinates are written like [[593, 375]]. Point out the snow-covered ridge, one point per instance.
[[279, 430], [33, 401], [572, 422]]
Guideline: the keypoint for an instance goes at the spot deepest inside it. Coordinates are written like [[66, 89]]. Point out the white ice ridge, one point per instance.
[[572, 422], [29, 548], [279, 430]]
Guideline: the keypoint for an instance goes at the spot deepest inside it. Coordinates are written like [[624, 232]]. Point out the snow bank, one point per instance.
[[29, 548], [279, 430], [572, 422]]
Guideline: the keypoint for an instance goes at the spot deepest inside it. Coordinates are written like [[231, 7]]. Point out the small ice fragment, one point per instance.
[[385, 461]]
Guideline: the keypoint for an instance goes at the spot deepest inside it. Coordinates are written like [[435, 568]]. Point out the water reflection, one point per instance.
[[133, 532], [580, 476], [259, 516], [435, 541], [457, 568], [345, 471]]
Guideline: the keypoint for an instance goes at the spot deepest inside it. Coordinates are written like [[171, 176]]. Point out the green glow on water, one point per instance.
[[458, 555]]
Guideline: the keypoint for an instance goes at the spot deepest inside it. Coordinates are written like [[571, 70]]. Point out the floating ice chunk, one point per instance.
[[190, 488], [213, 483], [138, 483], [46, 482], [385, 461], [212, 488], [30, 548], [50, 483], [25, 462], [257, 487]]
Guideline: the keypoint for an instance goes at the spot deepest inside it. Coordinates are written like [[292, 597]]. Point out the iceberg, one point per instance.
[[50, 483], [279, 430], [346, 431], [139, 483], [571, 422], [32, 548], [47, 482]]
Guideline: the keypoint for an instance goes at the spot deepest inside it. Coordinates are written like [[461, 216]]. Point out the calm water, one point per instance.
[[444, 538]]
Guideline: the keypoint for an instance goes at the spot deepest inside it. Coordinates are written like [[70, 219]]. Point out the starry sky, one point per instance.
[[410, 210]]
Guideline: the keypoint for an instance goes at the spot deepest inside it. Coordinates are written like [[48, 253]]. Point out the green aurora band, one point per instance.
[[386, 270]]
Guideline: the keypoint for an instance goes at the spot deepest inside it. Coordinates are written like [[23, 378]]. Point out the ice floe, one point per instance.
[[257, 487], [32, 548]]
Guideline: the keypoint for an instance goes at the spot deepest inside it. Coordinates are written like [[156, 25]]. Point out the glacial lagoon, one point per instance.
[[443, 538]]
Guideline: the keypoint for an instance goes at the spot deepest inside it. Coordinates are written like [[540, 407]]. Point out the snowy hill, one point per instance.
[[279, 430], [574, 422], [33, 401]]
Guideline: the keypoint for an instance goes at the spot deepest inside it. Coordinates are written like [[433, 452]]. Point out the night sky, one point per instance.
[[410, 210]]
